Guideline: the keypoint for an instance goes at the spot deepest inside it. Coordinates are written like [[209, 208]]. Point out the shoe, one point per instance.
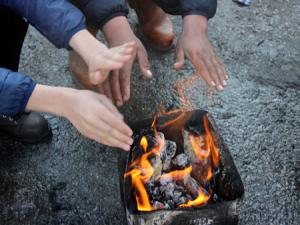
[[29, 127], [155, 24]]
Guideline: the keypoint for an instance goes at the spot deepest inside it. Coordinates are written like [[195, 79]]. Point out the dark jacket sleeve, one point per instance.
[[15, 91], [98, 12], [205, 8], [58, 20]]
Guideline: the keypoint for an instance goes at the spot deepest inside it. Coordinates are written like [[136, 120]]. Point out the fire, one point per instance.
[[200, 200], [177, 174], [141, 170], [144, 143]]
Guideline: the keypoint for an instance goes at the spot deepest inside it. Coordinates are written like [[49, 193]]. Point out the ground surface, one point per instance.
[[72, 180]]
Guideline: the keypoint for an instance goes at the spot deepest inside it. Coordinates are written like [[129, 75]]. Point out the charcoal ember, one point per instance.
[[171, 204], [158, 205], [168, 190], [181, 161], [166, 165], [168, 151], [192, 186], [188, 148], [156, 164]]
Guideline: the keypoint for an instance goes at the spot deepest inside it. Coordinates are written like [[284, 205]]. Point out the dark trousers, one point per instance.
[[13, 32]]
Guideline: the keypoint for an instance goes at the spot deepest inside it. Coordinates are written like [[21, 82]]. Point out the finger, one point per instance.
[[105, 89], [103, 139], [213, 74], [108, 103], [220, 72], [144, 64], [96, 77], [113, 121], [115, 88], [104, 130], [125, 76], [203, 71], [178, 65], [224, 69]]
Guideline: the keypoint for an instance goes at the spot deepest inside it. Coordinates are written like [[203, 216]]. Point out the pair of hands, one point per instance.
[[193, 45], [95, 116]]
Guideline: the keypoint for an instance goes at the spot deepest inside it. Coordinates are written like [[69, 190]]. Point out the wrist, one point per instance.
[[54, 100], [117, 26], [195, 24], [85, 44]]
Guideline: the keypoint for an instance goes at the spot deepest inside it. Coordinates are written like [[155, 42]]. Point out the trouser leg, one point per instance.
[[169, 6], [13, 32]]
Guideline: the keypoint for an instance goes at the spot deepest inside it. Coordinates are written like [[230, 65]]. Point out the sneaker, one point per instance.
[[28, 127]]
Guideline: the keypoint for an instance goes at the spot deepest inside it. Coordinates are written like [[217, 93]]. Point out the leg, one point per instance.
[[14, 30], [156, 25]]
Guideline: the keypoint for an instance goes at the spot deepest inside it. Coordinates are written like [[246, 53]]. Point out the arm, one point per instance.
[[92, 114], [15, 90], [195, 45], [58, 20]]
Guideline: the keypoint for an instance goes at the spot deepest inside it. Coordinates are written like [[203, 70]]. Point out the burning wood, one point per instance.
[[162, 177]]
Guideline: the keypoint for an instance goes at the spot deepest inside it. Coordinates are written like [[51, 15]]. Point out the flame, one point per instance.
[[144, 143], [177, 174], [200, 200], [141, 170], [210, 142]]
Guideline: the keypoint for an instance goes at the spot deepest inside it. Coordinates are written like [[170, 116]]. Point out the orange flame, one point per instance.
[[142, 171], [177, 174], [144, 143], [200, 200]]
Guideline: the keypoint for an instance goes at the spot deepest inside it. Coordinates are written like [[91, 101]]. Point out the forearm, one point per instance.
[[85, 44], [117, 26], [54, 100]]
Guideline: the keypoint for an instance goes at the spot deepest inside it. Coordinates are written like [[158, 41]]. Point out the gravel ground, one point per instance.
[[72, 180]]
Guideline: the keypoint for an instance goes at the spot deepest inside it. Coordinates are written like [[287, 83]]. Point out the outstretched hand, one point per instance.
[[194, 45], [99, 59], [117, 32]]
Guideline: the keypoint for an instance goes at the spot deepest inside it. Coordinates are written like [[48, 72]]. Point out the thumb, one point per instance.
[[96, 77], [142, 58], [178, 65]]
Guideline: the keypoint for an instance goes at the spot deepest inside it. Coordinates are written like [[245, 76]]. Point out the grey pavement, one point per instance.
[[72, 180]]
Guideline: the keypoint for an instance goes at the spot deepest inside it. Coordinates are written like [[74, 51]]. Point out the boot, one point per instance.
[[155, 24], [29, 128]]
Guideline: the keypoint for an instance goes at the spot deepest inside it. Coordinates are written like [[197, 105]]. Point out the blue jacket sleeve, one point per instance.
[[15, 91], [57, 20]]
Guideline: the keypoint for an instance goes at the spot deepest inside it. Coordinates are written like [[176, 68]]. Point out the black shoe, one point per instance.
[[29, 128]]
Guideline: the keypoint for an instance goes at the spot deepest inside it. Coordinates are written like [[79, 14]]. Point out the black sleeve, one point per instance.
[[205, 8], [98, 12]]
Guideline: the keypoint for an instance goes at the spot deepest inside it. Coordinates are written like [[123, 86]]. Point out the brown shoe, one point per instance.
[[156, 26], [78, 67]]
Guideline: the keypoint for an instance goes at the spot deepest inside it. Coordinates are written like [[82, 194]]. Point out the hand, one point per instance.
[[194, 45], [97, 118], [92, 114], [117, 87], [99, 59]]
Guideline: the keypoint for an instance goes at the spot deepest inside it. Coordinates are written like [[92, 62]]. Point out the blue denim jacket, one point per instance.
[[58, 21]]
